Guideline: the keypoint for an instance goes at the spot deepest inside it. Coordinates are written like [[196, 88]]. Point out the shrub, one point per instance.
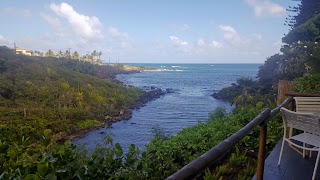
[[237, 159], [223, 170], [87, 124], [218, 113], [308, 84]]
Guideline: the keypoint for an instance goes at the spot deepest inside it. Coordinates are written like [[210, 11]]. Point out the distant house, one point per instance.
[[23, 52]]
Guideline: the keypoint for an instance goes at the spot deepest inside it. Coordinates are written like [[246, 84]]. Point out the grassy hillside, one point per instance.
[[63, 95]]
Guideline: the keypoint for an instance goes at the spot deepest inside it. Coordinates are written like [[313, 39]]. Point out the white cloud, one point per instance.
[[181, 45], [54, 22], [257, 37], [178, 42], [184, 27], [200, 42], [266, 8], [202, 45], [215, 44], [5, 42], [17, 11], [121, 37], [89, 28], [115, 33], [230, 35]]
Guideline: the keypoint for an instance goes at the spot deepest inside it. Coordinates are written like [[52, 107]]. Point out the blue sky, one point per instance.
[[168, 31]]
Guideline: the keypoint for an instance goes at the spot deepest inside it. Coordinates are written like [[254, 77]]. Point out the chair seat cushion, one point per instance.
[[308, 138]]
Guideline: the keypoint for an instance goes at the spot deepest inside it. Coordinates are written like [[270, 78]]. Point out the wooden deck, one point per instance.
[[293, 166]]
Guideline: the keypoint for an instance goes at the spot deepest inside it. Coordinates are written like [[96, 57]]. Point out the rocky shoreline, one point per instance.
[[216, 95], [151, 93], [124, 114]]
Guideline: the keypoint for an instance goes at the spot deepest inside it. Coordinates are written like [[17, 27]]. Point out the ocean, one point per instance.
[[188, 103]]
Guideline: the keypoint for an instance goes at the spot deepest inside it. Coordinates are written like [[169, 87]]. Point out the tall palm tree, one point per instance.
[[75, 55], [67, 54], [60, 54], [100, 54], [50, 53], [94, 54]]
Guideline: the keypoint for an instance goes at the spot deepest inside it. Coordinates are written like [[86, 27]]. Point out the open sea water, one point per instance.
[[188, 104]]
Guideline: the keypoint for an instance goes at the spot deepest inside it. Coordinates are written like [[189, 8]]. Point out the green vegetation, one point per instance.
[[63, 95], [168, 156], [299, 62], [87, 124], [300, 56], [93, 57], [237, 159], [243, 85], [301, 52], [161, 158], [308, 84], [38, 94]]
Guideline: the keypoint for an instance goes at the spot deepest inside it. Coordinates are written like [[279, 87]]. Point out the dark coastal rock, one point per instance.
[[227, 93], [151, 95], [219, 97], [126, 114], [216, 96], [169, 90]]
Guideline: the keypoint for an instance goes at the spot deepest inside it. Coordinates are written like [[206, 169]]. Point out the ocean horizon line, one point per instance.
[[186, 63]]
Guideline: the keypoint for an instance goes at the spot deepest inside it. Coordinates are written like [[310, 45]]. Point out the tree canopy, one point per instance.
[[300, 55], [305, 10]]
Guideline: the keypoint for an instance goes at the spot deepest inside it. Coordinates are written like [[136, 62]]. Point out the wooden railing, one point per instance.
[[198, 165]]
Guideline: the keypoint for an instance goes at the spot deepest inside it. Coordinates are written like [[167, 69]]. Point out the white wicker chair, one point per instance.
[[310, 125]]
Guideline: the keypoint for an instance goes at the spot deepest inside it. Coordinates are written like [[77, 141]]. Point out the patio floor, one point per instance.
[[293, 165]]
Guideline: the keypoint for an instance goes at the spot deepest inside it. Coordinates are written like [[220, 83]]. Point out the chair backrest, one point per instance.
[[304, 121], [307, 104]]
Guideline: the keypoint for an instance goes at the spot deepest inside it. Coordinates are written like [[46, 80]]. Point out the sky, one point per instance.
[[145, 31]]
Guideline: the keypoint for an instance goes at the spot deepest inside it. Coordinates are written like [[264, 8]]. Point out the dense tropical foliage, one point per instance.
[[301, 50], [59, 94], [299, 61], [299, 57], [43, 96], [162, 157], [93, 57]]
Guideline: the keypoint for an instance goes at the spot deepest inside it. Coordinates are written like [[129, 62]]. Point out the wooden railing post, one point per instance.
[[262, 151], [292, 105]]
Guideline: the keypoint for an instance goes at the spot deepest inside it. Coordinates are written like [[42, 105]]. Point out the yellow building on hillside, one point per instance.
[[23, 52]]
